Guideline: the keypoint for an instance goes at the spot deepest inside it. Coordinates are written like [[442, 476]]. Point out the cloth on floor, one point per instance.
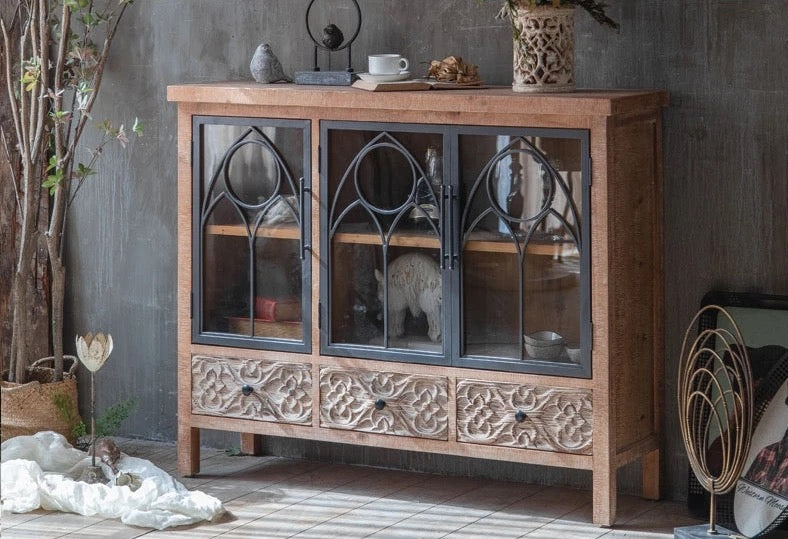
[[41, 471]]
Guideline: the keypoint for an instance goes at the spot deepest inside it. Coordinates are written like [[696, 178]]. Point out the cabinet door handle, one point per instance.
[[247, 390], [456, 234], [380, 404], [520, 416], [450, 224], [443, 254], [303, 244]]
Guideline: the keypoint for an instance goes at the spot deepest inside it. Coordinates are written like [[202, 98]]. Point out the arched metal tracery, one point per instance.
[[483, 189], [377, 215], [284, 192]]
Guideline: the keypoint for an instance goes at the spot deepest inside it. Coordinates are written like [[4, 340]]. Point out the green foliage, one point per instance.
[[31, 73], [107, 424], [65, 406], [593, 7], [234, 451]]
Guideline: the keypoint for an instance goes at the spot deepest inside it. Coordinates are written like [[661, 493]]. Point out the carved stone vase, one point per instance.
[[544, 48]]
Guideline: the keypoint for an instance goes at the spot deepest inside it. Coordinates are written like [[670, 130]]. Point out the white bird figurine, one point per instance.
[[265, 66]]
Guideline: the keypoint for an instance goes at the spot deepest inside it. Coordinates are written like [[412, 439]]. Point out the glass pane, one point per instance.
[[384, 225], [521, 241], [252, 270]]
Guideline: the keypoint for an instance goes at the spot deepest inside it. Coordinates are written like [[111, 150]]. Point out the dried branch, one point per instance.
[[14, 179], [96, 82], [596, 10], [9, 80], [40, 129]]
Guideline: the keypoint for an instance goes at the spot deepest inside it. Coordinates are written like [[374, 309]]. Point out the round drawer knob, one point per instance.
[[247, 390], [520, 416], [380, 404]]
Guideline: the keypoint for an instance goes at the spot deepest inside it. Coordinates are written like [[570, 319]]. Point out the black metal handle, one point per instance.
[[301, 218], [443, 239], [247, 390], [455, 249], [520, 416], [452, 232], [380, 404]]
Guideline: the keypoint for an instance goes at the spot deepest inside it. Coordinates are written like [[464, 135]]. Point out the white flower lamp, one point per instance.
[[93, 352]]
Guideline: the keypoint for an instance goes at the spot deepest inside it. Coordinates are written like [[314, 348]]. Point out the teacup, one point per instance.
[[387, 64]]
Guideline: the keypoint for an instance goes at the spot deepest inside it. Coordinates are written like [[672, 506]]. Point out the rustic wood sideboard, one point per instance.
[[471, 272]]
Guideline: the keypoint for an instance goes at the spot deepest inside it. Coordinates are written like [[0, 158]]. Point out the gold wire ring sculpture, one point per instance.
[[715, 397]]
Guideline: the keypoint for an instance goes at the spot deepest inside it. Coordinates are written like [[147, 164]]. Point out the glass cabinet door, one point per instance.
[[523, 276], [251, 232], [383, 242]]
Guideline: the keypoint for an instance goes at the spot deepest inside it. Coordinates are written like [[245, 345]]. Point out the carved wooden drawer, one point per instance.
[[252, 389], [384, 402], [533, 417]]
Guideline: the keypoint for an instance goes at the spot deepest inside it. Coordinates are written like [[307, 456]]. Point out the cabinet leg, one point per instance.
[[605, 498], [251, 444], [188, 451], [651, 475]]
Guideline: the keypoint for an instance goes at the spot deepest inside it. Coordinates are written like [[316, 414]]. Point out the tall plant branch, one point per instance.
[[10, 81], [46, 137], [11, 171], [40, 130], [96, 81], [23, 112], [54, 232], [35, 57]]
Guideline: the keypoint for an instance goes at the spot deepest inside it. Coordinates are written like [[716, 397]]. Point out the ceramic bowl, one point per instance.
[[574, 354], [543, 344]]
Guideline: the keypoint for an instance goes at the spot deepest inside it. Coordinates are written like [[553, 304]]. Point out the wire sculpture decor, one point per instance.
[[715, 398], [331, 40]]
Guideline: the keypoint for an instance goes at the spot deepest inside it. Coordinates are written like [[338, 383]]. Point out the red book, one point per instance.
[[277, 309]]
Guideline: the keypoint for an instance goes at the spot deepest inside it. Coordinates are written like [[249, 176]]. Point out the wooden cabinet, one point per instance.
[[476, 273]]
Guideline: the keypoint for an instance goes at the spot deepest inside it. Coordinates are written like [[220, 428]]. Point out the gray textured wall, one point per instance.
[[726, 194]]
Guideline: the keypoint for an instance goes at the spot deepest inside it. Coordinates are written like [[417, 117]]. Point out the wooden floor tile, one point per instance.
[[267, 497]]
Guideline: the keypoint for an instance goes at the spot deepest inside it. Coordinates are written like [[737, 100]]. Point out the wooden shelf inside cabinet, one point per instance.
[[479, 241], [276, 232]]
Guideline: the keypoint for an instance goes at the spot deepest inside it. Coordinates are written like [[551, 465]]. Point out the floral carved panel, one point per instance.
[[384, 402], [511, 415], [252, 389]]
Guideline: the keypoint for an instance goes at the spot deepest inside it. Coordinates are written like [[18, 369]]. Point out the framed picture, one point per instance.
[[759, 503]]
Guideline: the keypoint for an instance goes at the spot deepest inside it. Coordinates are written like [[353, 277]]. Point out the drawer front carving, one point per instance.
[[384, 402], [252, 389], [533, 417]]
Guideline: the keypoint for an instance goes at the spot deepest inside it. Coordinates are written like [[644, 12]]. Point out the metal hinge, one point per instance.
[[591, 337], [319, 315], [191, 305], [590, 171]]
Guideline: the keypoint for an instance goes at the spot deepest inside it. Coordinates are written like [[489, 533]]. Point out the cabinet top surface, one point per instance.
[[492, 100]]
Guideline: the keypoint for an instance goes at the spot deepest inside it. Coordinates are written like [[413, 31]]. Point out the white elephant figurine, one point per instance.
[[415, 284]]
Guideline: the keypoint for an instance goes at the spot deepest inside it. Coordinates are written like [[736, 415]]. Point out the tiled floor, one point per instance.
[[275, 497]]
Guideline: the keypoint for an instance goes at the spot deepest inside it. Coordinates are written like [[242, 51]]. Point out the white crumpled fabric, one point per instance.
[[40, 471]]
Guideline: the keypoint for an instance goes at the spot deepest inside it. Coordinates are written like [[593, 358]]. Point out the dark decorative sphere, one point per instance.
[[332, 36]]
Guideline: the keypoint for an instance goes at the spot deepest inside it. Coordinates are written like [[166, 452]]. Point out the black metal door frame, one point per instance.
[[199, 335]]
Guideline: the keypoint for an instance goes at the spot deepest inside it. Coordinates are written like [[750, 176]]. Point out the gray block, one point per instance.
[[701, 531], [325, 78]]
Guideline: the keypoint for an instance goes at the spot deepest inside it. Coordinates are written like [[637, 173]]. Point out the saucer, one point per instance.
[[368, 77]]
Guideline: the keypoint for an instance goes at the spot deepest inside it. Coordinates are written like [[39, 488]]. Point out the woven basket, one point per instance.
[[544, 48], [30, 408]]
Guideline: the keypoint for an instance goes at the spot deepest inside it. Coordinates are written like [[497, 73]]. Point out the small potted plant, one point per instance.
[[53, 54], [543, 35]]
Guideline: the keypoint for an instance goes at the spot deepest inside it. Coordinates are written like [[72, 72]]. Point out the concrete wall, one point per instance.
[[726, 193]]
